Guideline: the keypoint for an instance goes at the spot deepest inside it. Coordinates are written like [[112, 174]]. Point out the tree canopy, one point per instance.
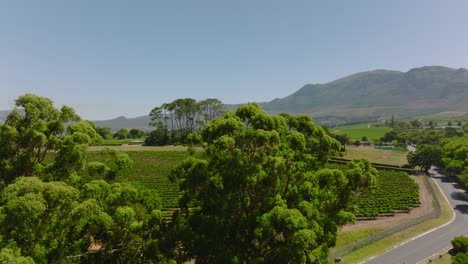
[[35, 141], [262, 195]]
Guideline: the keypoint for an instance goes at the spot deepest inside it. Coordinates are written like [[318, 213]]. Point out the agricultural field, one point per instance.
[[395, 192], [360, 130], [150, 171], [384, 156]]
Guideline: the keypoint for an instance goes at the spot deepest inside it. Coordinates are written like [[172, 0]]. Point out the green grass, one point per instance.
[[347, 237], [376, 155], [360, 130], [442, 259]]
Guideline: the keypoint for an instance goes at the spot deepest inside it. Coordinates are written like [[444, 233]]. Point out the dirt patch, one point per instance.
[[426, 207]]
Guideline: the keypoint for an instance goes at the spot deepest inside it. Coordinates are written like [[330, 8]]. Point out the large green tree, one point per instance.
[[262, 195], [425, 156], [48, 213], [35, 141]]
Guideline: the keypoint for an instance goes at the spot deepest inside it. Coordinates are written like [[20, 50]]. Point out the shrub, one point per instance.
[[460, 244]]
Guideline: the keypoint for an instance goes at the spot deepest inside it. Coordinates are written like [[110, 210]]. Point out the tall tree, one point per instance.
[[425, 156], [36, 130], [122, 134], [261, 196], [136, 133]]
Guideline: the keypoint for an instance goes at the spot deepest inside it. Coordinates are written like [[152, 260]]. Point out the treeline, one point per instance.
[[123, 133], [176, 120], [418, 132]]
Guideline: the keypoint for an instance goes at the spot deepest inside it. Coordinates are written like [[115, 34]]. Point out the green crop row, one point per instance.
[[395, 191]]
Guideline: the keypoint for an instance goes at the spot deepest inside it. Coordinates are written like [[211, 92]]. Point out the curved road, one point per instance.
[[425, 246]]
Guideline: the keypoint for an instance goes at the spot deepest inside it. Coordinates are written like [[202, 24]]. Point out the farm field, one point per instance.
[[150, 171], [376, 155], [360, 130], [394, 192]]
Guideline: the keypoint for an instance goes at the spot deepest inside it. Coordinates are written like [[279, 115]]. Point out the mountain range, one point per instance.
[[365, 96], [380, 94]]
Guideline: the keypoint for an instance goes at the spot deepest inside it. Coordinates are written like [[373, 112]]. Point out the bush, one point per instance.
[[460, 258], [159, 137], [163, 137], [460, 244], [357, 142]]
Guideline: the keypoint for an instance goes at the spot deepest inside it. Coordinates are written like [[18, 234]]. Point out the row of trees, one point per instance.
[[448, 151], [123, 133], [186, 113], [259, 195], [176, 120]]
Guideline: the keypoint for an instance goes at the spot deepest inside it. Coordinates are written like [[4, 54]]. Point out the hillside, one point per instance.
[[379, 94]]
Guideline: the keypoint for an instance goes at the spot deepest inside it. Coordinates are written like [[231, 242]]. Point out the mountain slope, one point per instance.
[[380, 94], [140, 122]]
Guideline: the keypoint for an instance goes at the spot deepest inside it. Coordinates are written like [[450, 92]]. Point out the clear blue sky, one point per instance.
[[111, 58]]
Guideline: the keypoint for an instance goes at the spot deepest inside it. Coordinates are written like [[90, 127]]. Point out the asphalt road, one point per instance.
[[431, 243]]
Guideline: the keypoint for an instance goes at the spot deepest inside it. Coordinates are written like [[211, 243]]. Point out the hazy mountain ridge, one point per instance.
[[140, 122], [380, 94]]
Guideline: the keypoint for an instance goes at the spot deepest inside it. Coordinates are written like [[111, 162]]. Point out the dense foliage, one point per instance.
[[258, 194], [455, 157], [261, 195], [52, 208], [460, 250]]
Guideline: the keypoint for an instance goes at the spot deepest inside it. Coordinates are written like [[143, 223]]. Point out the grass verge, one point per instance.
[[387, 243], [348, 237], [443, 259]]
